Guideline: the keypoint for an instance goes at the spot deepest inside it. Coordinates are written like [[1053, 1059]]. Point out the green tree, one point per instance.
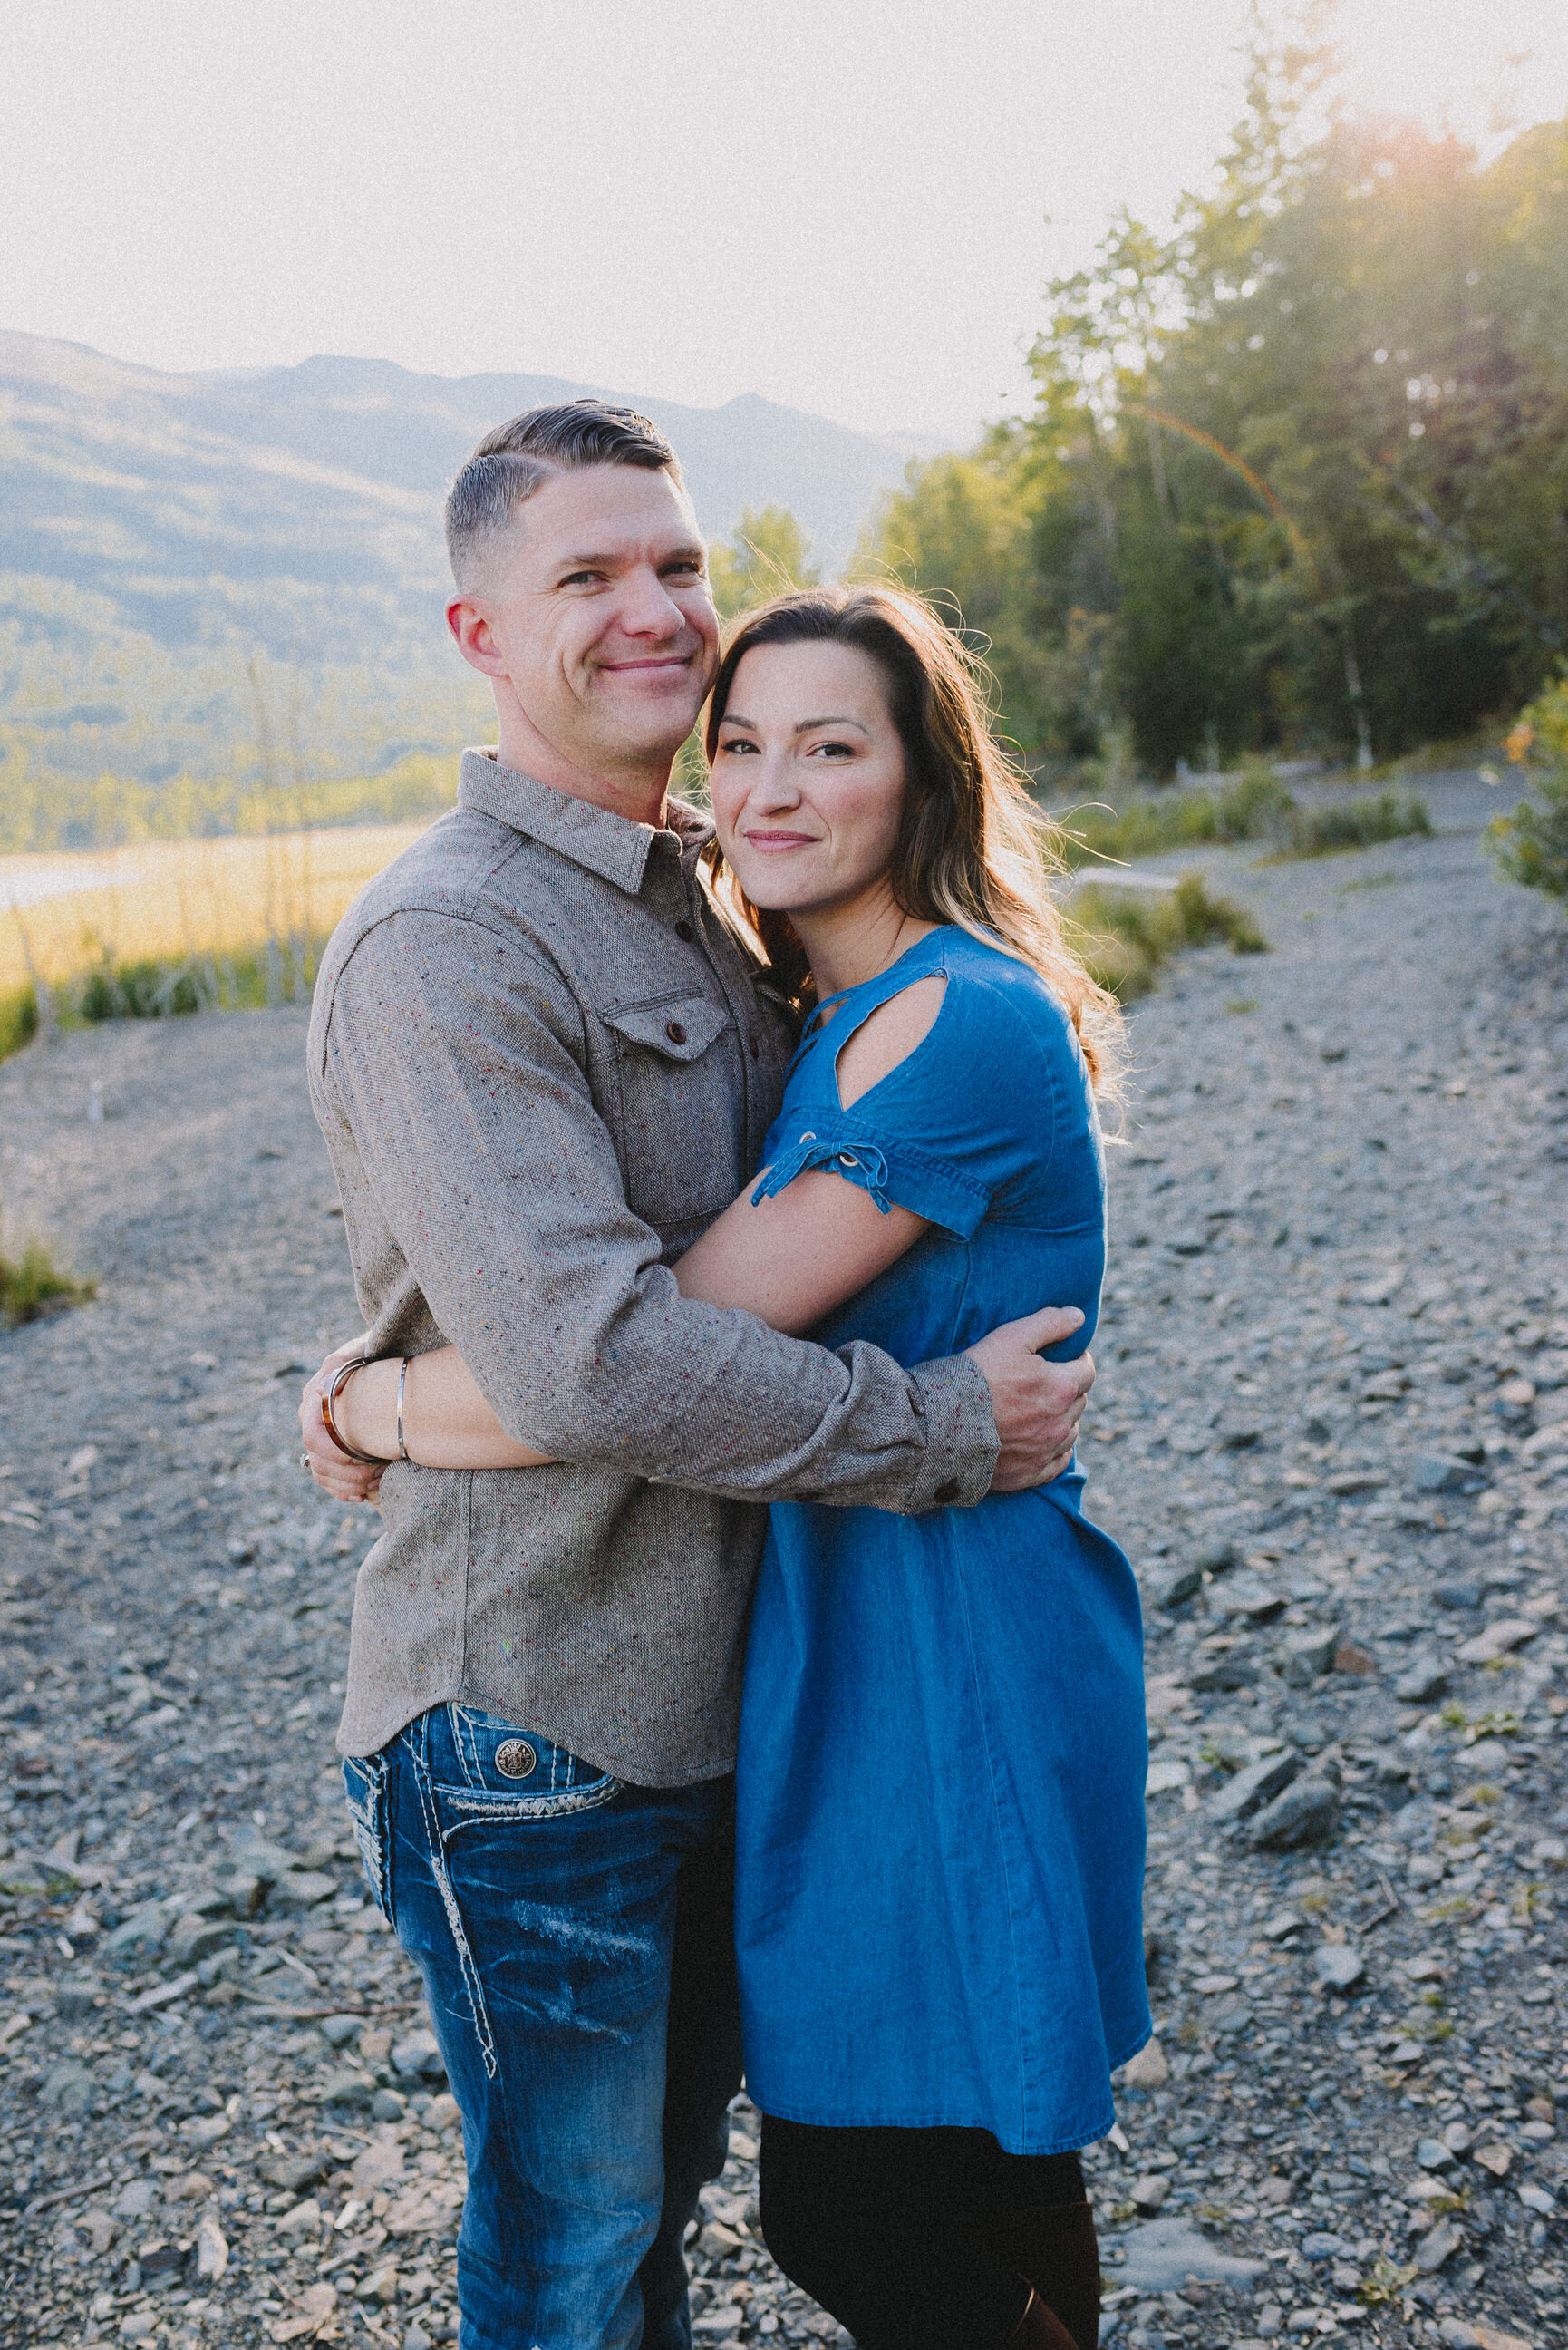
[[1532, 845], [1296, 473], [767, 555]]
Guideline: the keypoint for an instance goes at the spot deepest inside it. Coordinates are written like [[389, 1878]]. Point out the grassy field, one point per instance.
[[183, 905], [165, 928]]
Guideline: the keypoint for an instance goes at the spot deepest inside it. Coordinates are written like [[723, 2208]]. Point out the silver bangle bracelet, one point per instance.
[[403, 1452]]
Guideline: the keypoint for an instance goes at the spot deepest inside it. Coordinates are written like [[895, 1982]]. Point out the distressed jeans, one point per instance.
[[575, 1938]]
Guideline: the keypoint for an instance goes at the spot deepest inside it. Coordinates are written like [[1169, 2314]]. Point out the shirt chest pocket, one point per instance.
[[677, 1077]]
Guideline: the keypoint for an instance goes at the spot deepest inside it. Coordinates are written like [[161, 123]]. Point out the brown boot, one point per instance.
[[1053, 2247], [1039, 2329]]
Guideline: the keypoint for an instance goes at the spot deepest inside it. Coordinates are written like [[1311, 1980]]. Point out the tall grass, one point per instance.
[[1257, 807], [18, 1018], [1127, 936], [33, 1284], [172, 927]]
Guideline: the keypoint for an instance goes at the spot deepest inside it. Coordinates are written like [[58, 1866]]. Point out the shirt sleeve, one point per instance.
[[868, 1150], [457, 1066], [963, 1128]]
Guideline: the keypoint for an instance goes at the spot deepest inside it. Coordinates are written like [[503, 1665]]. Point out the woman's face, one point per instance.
[[808, 777]]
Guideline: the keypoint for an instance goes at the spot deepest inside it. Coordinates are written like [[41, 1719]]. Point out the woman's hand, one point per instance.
[[345, 1479]]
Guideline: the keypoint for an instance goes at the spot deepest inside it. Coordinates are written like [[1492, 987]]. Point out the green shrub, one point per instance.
[[1127, 936], [1532, 845], [138, 990], [18, 1020], [1357, 824], [32, 1285]]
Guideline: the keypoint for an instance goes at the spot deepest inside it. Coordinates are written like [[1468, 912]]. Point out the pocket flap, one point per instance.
[[680, 1027]]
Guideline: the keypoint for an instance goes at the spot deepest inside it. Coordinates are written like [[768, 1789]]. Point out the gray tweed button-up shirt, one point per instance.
[[542, 1065]]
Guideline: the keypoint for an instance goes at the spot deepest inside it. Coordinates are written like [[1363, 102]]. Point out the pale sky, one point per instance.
[[848, 205]]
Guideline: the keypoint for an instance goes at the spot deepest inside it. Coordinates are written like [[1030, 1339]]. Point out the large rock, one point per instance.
[[1166, 2254], [243, 1890], [1439, 2245], [1509, 1633], [1249, 1595], [212, 2249], [1169, 1586], [1253, 1787], [139, 1933], [417, 2056], [67, 2087], [1338, 1966], [347, 2085], [193, 1938], [1226, 1674], [1440, 1472], [293, 2171], [1149, 2069], [1306, 1814], [254, 1855], [1307, 1655], [302, 1888]]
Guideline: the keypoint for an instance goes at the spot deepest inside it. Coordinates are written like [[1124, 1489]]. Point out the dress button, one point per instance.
[[675, 1032], [756, 1048], [515, 1758], [948, 1493], [683, 929]]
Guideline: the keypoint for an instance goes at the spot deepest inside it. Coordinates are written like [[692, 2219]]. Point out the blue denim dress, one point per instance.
[[940, 1798]]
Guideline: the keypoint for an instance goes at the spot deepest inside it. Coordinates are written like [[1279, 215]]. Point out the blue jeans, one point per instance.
[[575, 1938]]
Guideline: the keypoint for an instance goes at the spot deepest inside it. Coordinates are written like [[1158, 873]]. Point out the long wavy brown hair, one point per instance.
[[972, 848]]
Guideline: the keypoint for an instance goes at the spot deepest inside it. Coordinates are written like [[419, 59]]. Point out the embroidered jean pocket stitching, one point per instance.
[[464, 1738], [436, 1846], [528, 1807], [368, 1809]]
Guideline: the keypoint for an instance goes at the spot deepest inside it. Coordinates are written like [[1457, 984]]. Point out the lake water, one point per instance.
[[26, 881]]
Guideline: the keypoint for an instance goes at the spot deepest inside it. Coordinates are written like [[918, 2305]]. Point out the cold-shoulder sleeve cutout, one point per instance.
[[886, 1036]]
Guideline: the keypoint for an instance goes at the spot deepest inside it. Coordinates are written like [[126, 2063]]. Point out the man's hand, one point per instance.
[[1037, 1405]]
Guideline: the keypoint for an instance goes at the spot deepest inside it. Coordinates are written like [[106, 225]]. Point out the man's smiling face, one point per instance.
[[591, 613]]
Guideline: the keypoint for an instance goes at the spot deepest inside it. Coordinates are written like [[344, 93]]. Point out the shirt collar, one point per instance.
[[608, 845]]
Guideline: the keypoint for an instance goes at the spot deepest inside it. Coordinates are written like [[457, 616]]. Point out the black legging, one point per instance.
[[879, 2225]]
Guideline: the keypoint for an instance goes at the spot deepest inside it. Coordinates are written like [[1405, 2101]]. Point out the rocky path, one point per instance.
[[1332, 1428]]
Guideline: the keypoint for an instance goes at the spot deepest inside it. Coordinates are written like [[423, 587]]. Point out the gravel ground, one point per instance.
[[1332, 1428]]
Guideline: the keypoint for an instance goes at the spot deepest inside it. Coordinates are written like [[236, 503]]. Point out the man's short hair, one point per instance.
[[510, 464]]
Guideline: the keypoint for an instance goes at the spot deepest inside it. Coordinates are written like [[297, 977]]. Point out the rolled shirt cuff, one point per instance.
[[961, 1443]]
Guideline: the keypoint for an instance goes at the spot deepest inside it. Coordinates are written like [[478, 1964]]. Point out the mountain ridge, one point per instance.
[[162, 534]]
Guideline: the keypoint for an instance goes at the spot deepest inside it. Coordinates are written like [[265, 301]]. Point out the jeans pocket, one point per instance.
[[483, 1768], [365, 1784]]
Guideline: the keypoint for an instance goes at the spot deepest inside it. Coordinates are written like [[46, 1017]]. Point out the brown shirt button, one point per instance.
[[948, 1493], [675, 1032], [683, 929]]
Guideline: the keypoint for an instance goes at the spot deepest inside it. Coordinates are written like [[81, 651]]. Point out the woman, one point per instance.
[[943, 1751]]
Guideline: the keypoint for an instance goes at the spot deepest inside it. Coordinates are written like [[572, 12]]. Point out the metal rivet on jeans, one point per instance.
[[515, 1758]]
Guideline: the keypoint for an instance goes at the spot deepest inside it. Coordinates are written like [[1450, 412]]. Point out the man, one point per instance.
[[543, 1062]]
